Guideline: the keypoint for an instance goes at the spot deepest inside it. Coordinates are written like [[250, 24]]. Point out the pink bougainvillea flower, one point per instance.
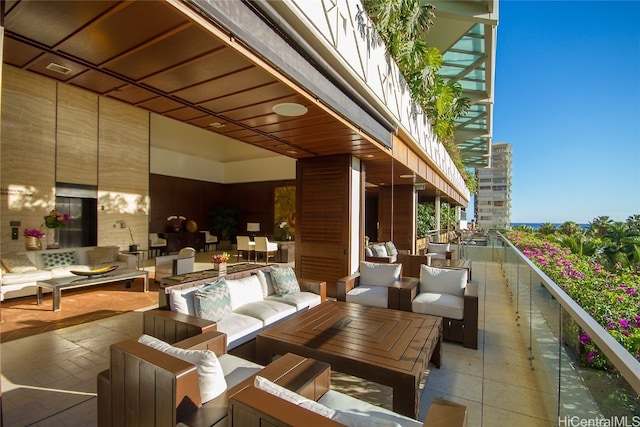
[[623, 323]]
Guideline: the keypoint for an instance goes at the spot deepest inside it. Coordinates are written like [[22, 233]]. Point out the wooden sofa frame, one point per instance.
[[145, 387]]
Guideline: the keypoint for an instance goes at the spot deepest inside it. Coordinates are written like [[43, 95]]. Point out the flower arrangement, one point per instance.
[[33, 232], [56, 219], [220, 258]]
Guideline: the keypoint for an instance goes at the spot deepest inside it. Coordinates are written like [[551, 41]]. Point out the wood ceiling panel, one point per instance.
[[185, 114], [132, 94], [206, 121], [160, 105], [125, 30], [261, 99], [185, 43], [19, 54], [199, 70], [98, 82], [234, 83], [50, 22]]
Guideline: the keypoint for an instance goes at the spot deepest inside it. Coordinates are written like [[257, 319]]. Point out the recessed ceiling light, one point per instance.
[[407, 176], [58, 68], [292, 152], [290, 109], [369, 156], [216, 125]]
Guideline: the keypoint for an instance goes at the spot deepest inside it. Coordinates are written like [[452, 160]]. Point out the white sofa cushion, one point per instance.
[[237, 326], [375, 274], [25, 278], [438, 250], [244, 291], [182, 300], [439, 304], [237, 369], [442, 280], [210, 374], [268, 311], [300, 300], [65, 270], [266, 282], [375, 296], [342, 402]]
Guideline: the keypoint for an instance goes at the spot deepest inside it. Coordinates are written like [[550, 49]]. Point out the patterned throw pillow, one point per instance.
[[391, 248], [380, 250], [285, 281], [58, 259], [213, 301], [103, 255], [17, 263]]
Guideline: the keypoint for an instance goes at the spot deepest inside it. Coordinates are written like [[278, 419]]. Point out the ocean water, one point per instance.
[[536, 225]]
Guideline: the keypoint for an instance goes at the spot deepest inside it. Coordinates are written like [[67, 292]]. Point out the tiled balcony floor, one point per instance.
[[49, 379]]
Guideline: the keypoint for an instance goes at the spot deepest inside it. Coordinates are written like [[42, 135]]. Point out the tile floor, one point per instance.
[[49, 379]]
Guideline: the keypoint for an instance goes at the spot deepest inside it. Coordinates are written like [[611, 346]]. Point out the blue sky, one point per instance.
[[567, 98]]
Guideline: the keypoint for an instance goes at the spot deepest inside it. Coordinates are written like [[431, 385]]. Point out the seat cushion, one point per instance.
[[237, 326], [267, 311], [237, 369], [375, 296], [299, 300], [443, 280], [245, 290], [210, 374], [375, 274], [442, 305], [29, 277]]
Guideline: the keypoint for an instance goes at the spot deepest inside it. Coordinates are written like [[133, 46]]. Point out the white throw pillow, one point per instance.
[[374, 274], [182, 300], [245, 290], [442, 280], [266, 282], [210, 373], [270, 387]]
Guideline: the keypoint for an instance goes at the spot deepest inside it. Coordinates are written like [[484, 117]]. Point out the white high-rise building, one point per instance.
[[493, 199]]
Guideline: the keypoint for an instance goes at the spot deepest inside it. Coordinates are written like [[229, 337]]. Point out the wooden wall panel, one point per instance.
[[123, 173], [323, 220], [27, 175], [77, 136], [397, 212]]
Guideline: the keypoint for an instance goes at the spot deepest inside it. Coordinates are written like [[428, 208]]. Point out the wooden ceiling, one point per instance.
[[149, 54]]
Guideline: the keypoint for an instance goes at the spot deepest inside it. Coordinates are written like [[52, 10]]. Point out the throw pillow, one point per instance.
[[266, 283], [379, 250], [182, 300], [375, 274], [285, 281], [442, 280], [270, 387], [391, 248], [210, 373], [368, 251], [18, 263], [438, 248], [59, 259], [103, 255], [213, 301]]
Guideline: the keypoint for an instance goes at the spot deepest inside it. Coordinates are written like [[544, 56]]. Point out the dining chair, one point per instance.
[[246, 245], [268, 248]]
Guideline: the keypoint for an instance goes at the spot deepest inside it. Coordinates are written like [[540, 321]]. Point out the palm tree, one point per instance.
[[547, 228], [570, 228], [634, 223], [600, 225]]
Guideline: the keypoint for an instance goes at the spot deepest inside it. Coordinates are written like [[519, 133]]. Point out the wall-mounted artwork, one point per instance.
[[284, 227]]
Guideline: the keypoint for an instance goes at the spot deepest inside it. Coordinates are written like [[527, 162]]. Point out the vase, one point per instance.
[[32, 243], [53, 238], [221, 267]]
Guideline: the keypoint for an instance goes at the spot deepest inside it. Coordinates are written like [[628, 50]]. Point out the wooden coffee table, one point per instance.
[[389, 347], [70, 282], [455, 264]]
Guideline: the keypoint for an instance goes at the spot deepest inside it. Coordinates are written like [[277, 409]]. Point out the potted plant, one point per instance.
[[225, 221]]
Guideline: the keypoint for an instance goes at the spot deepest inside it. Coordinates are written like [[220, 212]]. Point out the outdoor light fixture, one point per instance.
[[290, 109]]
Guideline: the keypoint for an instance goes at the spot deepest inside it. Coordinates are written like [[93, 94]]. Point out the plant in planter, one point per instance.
[[224, 221]]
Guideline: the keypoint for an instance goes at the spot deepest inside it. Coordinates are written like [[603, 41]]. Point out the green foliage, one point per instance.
[[427, 217], [611, 297], [224, 220], [402, 25]]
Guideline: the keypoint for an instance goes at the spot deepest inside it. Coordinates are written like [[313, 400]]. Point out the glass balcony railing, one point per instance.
[[551, 324]]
